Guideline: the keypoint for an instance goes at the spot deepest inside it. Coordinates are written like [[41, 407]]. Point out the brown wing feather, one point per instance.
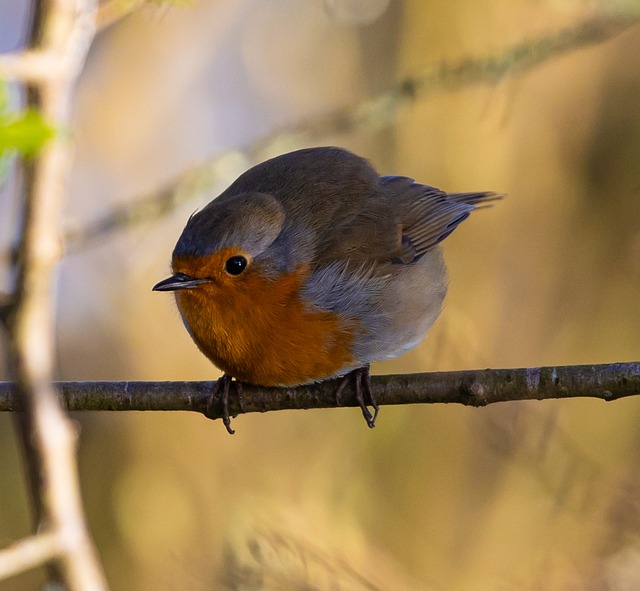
[[397, 224], [428, 215]]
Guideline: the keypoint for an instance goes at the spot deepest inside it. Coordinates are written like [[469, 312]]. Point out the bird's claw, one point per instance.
[[364, 395], [220, 392]]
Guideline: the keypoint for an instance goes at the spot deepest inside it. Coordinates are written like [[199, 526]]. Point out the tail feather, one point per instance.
[[474, 198]]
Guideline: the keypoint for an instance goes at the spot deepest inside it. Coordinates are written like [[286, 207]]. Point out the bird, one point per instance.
[[310, 266]]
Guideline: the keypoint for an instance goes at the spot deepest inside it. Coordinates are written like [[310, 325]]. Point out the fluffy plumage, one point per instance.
[[344, 267]]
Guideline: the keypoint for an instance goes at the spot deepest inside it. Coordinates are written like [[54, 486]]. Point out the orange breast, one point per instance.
[[259, 331]]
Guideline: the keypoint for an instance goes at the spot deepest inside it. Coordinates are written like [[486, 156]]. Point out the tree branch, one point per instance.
[[28, 553], [472, 388], [61, 31], [30, 67]]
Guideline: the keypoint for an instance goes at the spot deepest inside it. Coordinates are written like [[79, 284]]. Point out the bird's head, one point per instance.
[[220, 244]]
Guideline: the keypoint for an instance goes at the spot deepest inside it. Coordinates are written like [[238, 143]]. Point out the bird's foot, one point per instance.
[[220, 393], [362, 385]]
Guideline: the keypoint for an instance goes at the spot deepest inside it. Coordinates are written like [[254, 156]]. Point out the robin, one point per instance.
[[309, 267]]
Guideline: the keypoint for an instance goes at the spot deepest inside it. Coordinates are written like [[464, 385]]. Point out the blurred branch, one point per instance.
[[60, 40], [279, 559], [59, 37], [28, 553], [188, 184], [472, 388], [29, 66], [374, 113]]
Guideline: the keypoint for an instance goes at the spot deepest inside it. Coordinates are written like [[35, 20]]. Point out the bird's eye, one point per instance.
[[235, 265]]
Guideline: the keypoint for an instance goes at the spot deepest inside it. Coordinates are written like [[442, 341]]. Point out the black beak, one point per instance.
[[178, 281]]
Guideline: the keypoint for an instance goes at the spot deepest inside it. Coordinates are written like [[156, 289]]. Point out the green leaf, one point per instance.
[[26, 132], [4, 103]]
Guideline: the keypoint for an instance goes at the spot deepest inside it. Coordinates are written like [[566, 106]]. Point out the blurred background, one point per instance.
[[526, 495]]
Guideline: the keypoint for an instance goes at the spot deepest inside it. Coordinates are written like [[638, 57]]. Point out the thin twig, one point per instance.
[[28, 553], [472, 388]]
